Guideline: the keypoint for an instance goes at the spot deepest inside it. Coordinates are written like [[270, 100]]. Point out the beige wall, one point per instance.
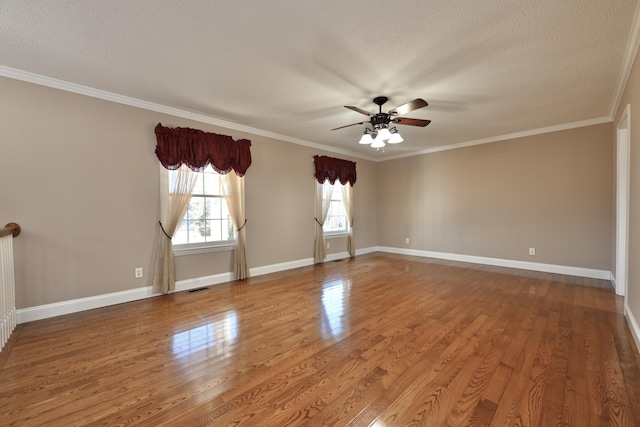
[[552, 192], [632, 97], [80, 176]]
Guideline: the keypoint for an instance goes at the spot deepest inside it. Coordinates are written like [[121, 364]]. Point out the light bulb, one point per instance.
[[378, 142], [366, 139], [384, 134], [396, 138]]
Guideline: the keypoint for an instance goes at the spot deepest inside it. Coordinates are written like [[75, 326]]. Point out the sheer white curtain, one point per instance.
[[323, 201], [233, 190], [175, 193], [347, 199]]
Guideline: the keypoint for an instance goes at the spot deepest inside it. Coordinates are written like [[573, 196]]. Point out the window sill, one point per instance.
[[336, 234], [194, 250]]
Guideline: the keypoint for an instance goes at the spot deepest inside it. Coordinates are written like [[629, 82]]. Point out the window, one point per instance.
[[207, 221], [336, 222]]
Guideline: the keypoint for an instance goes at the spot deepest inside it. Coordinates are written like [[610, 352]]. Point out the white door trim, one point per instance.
[[622, 201]]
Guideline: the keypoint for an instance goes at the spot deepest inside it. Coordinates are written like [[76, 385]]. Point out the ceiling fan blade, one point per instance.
[[346, 126], [409, 106], [410, 122], [358, 110]]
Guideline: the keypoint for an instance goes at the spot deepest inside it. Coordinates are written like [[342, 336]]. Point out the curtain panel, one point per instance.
[[323, 201], [332, 169], [347, 199], [196, 149], [233, 189], [174, 199]]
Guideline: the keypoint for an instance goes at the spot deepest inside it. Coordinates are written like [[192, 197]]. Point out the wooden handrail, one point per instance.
[[11, 228]]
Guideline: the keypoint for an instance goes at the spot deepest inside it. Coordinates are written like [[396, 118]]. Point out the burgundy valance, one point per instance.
[[332, 169], [196, 149]]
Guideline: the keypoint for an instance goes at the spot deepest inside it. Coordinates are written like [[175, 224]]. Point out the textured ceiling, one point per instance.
[[285, 67]]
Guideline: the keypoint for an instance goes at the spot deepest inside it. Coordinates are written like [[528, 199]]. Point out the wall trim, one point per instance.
[[633, 325], [631, 50], [199, 282], [274, 268], [45, 311], [516, 135], [614, 281], [500, 262]]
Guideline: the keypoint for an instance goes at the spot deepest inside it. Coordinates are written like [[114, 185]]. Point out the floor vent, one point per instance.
[[337, 260], [196, 290]]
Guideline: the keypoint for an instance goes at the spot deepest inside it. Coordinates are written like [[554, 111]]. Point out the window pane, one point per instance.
[[228, 232], [213, 226], [180, 237], [337, 192], [216, 207], [197, 231], [335, 223], [224, 209], [195, 210], [195, 217], [211, 183], [336, 218], [208, 209], [333, 192]]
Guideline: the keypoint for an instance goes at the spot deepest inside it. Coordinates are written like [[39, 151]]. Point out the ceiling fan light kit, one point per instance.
[[377, 143], [379, 134], [395, 137], [366, 138]]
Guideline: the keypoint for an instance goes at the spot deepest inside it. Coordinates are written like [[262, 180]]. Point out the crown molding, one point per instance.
[[158, 108], [629, 57], [549, 129], [202, 118]]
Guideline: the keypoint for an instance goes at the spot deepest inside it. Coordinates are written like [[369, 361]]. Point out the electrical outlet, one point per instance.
[[138, 272], [328, 245], [406, 240], [532, 251]]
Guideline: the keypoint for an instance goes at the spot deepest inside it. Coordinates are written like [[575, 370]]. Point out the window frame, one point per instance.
[[181, 249], [337, 187]]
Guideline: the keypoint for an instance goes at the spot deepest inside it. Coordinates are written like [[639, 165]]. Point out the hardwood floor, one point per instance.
[[380, 340]]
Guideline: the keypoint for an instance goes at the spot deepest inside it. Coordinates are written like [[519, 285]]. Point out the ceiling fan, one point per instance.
[[379, 133]]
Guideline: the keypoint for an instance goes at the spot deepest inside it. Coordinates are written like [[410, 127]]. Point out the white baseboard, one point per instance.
[[305, 262], [499, 262], [45, 311], [200, 282], [615, 283], [633, 325], [274, 268], [368, 250]]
